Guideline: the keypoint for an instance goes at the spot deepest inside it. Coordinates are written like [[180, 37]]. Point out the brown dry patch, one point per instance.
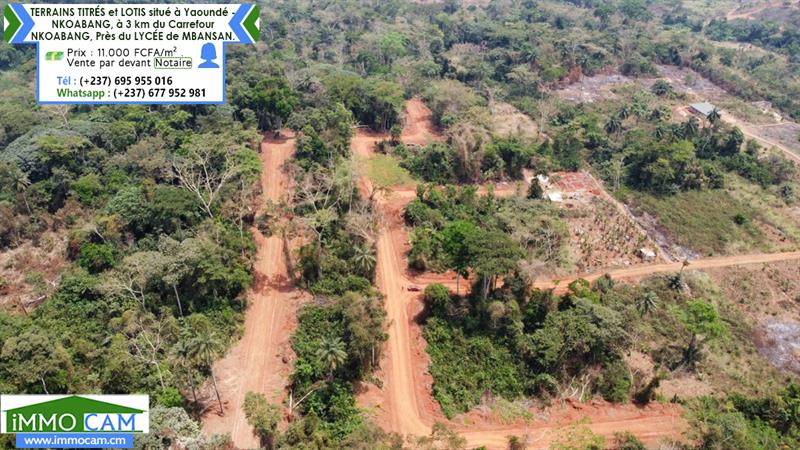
[[592, 89], [785, 133], [764, 299], [508, 121], [685, 385], [30, 273], [762, 292]]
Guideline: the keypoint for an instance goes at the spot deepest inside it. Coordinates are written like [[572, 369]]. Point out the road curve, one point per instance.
[[407, 404]]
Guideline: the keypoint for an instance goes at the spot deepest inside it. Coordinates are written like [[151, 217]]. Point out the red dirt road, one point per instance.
[[405, 404], [638, 272], [261, 360], [419, 127], [629, 273], [257, 362]]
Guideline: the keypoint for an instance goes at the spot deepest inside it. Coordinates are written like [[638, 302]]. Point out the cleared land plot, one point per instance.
[[592, 89], [713, 222], [787, 134], [385, 171], [734, 363], [601, 235], [508, 121], [768, 297], [688, 81]]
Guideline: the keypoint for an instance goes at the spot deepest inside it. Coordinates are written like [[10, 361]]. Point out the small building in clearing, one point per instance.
[[702, 109], [647, 254], [555, 197]]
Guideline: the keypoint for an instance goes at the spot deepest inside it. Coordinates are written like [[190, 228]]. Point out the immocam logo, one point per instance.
[[72, 421]]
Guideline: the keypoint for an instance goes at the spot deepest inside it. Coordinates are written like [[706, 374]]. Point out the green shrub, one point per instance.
[[615, 382], [466, 367], [625, 440], [88, 188], [437, 299], [171, 397], [96, 257]]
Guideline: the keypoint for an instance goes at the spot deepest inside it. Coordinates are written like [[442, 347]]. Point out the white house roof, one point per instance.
[[703, 108]]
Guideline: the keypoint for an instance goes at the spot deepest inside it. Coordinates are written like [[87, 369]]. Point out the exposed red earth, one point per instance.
[[260, 362], [405, 404]]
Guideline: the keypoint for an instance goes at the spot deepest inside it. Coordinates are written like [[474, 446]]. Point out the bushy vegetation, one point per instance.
[[336, 344], [739, 421], [781, 37], [456, 229], [512, 344], [161, 261]]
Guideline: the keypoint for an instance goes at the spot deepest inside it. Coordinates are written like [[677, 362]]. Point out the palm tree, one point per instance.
[[691, 127], [183, 354], [205, 347], [647, 303], [20, 184], [714, 116], [660, 132], [614, 124], [331, 354], [364, 258]]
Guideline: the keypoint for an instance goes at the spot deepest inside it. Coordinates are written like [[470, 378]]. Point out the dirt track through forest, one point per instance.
[[738, 13], [405, 405], [259, 361], [752, 132]]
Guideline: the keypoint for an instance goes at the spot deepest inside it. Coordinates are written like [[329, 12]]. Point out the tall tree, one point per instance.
[[34, 358], [208, 163], [273, 100], [495, 254], [148, 339], [456, 238], [702, 321], [182, 357], [205, 348]]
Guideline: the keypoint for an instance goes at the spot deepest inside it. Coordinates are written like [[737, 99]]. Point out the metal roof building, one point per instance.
[[703, 109]]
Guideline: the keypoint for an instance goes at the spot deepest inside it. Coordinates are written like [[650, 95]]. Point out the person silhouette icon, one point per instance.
[[208, 54]]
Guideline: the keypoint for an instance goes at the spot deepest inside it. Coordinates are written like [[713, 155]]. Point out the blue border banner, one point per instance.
[[74, 440], [239, 24]]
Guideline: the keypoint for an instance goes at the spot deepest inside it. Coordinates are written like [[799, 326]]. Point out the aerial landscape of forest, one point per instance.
[[432, 224]]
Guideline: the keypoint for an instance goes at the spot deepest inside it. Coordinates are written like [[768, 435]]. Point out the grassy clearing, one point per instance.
[[385, 170], [775, 212], [708, 221], [730, 364]]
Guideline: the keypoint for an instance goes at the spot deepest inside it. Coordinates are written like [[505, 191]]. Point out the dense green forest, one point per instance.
[[149, 208]]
